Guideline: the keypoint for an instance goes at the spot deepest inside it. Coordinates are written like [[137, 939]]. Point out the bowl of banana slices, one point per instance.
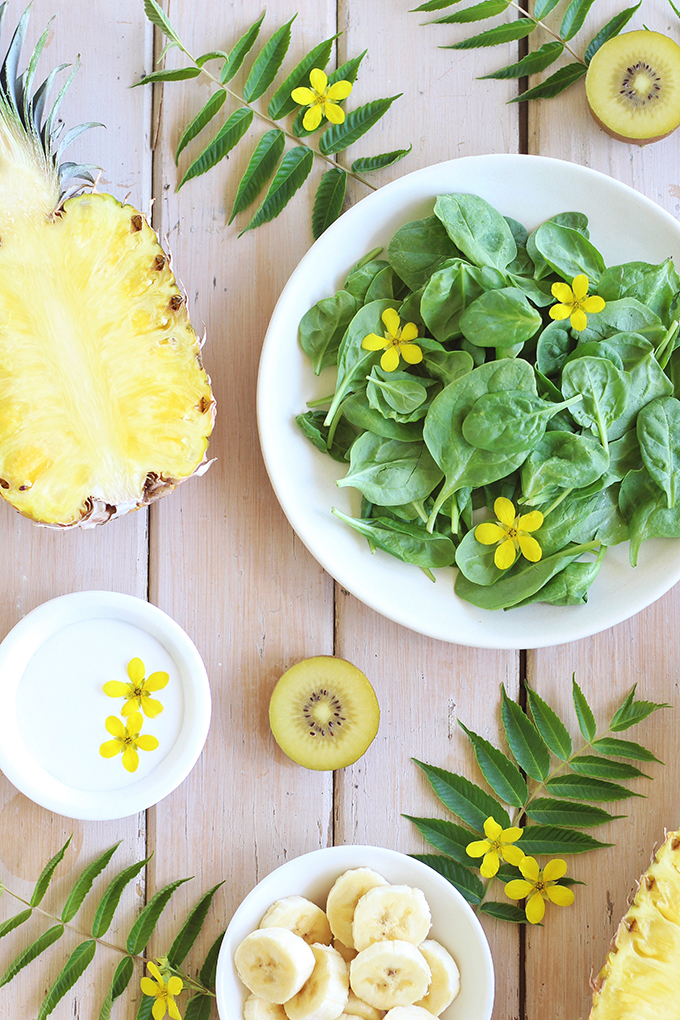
[[354, 932]]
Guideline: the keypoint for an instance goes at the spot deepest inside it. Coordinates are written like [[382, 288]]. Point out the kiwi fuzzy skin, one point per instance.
[[625, 138]]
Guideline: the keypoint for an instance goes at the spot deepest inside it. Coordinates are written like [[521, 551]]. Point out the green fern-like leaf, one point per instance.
[[84, 884], [232, 64], [14, 922], [368, 164], [532, 63], [346, 72], [611, 29], [501, 774], [46, 874], [509, 32], [143, 928], [198, 1008], [259, 170], [32, 952], [294, 170], [159, 18], [478, 12], [574, 16], [191, 928], [464, 880], [268, 63], [201, 120], [77, 963], [121, 979], [111, 898], [328, 202], [281, 102], [178, 74], [338, 137], [229, 135]]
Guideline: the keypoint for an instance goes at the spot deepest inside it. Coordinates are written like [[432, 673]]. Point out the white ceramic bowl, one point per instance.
[[53, 665], [624, 225], [454, 923]]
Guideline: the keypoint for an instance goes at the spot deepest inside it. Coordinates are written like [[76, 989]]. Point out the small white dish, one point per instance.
[[624, 226], [454, 923], [53, 666]]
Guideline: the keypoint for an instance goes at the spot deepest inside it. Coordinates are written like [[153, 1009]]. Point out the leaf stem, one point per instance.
[[549, 30]]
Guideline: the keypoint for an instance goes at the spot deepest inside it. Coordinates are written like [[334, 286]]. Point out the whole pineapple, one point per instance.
[[641, 978], [104, 402]]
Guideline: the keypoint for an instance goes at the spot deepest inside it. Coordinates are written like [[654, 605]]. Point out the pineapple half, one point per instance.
[[104, 402], [641, 978]]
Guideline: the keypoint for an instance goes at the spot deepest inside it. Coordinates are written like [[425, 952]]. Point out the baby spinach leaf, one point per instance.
[[644, 507], [397, 395], [389, 472], [323, 327], [381, 286], [574, 220], [476, 561], [648, 381], [561, 460], [355, 408], [512, 420], [448, 293], [627, 315], [477, 229], [411, 543], [361, 277], [353, 360], [538, 291], [604, 389], [569, 253], [409, 309], [312, 424], [656, 287], [554, 346], [448, 365], [519, 232], [658, 432], [570, 586], [418, 249], [499, 318], [596, 349]]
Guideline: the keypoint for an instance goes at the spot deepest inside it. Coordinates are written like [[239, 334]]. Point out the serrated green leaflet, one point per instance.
[[555, 84], [328, 201], [111, 898], [465, 881], [188, 933], [84, 884], [551, 811], [446, 836], [605, 768], [45, 878], [501, 774], [552, 839], [31, 952], [463, 798], [202, 118], [585, 788], [180, 74], [198, 1008], [503, 911], [550, 726], [434, 5], [281, 102], [532, 63], [268, 63], [524, 740], [346, 72], [209, 968], [478, 12], [584, 714], [212, 55], [229, 135], [544, 7], [77, 963], [574, 16], [259, 169], [294, 170], [13, 922], [159, 18], [632, 712], [509, 32], [145, 1008], [142, 929], [624, 749], [611, 29], [121, 980], [240, 51], [367, 164], [338, 137]]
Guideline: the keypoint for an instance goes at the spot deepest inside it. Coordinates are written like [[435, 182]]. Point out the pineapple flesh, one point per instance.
[[104, 402], [641, 978]]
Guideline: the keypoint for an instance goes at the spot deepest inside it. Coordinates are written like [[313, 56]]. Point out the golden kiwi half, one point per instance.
[[633, 87]]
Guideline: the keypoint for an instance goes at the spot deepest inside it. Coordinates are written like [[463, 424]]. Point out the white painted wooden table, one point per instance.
[[219, 556]]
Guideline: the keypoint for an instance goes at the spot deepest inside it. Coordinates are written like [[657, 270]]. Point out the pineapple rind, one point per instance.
[[104, 402], [641, 978]]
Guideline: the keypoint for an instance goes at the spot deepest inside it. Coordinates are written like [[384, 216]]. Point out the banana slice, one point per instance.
[[324, 996], [409, 1013], [343, 898], [274, 963], [445, 983], [388, 974], [301, 916], [355, 1007], [345, 952], [257, 1009], [391, 912]]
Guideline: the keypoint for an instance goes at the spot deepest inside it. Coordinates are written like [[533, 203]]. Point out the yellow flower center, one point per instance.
[[512, 533]]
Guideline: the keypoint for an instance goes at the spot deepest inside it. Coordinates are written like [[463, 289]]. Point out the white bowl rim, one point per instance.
[[35, 782]]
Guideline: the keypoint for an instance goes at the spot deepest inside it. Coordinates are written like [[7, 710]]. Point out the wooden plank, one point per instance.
[[41, 563], [423, 686], [574, 942], [224, 562]]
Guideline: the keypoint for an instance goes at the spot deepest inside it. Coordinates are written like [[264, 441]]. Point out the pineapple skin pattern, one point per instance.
[[641, 977], [104, 401]]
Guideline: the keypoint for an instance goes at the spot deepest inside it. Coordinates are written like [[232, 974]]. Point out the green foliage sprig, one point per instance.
[[520, 28], [544, 786], [201, 989], [290, 167]]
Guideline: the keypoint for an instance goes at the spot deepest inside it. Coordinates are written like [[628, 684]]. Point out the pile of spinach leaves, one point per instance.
[[583, 426]]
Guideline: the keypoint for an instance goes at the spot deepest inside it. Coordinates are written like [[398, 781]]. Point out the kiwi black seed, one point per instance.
[[633, 87], [324, 713]]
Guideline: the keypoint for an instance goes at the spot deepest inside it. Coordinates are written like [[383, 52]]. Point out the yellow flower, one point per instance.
[[574, 302], [127, 739], [397, 340], [162, 993], [498, 843], [540, 886], [512, 533], [137, 694], [322, 99]]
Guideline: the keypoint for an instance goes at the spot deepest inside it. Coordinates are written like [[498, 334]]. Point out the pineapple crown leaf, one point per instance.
[[8, 73]]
